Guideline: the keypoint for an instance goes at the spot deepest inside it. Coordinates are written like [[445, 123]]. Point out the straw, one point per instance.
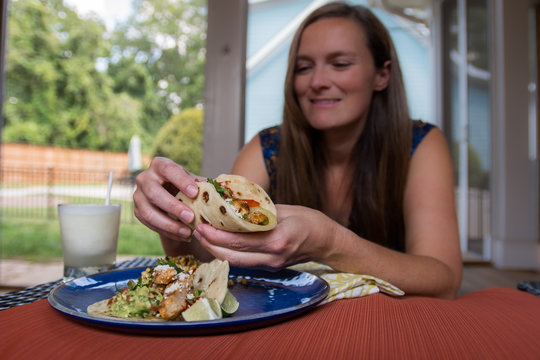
[[109, 186]]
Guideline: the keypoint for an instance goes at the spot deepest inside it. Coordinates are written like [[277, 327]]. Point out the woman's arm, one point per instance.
[[430, 214], [431, 265]]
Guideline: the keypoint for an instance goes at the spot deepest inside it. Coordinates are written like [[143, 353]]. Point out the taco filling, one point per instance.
[[243, 207]]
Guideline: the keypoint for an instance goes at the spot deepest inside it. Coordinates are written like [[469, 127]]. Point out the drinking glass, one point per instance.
[[89, 235]]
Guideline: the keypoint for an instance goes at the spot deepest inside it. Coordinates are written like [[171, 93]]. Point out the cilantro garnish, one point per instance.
[[221, 190], [197, 294], [132, 285], [168, 261]]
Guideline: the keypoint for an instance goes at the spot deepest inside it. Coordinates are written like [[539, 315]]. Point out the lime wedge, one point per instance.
[[214, 304], [203, 309], [229, 304]]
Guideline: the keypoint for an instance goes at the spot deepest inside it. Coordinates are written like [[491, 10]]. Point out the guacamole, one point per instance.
[[140, 302]]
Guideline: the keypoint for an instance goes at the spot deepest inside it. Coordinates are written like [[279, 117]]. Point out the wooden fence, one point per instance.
[[43, 189], [72, 162], [35, 179]]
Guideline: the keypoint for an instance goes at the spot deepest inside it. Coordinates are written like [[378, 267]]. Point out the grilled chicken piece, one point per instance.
[[175, 297], [257, 218], [241, 206], [163, 274]]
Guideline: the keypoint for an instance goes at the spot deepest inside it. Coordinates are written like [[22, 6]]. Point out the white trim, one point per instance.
[[261, 57], [472, 70], [514, 180], [463, 104]]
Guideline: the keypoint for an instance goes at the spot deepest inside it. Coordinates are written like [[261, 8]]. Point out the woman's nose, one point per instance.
[[320, 78]]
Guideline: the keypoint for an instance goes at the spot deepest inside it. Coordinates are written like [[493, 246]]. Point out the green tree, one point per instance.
[[133, 79], [55, 94], [167, 38], [150, 68], [180, 139]]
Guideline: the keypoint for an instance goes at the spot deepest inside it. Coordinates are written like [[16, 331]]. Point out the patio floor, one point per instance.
[[19, 274]]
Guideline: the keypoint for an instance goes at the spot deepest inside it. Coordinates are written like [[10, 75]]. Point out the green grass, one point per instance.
[[39, 240], [51, 213]]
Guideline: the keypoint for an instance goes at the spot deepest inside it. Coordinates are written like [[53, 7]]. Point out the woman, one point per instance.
[[368, 190]]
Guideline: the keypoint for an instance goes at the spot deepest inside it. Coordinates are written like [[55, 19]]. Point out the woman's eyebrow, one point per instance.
[[342, 53], [303, 57], [329, 55]]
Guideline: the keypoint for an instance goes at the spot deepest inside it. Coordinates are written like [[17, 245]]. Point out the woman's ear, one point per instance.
[[382, 78]]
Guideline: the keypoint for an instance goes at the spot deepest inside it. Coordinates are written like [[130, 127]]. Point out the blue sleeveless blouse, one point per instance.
[[270, 145]]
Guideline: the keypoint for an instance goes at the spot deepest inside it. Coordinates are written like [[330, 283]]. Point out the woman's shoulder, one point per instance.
[[420, 130], [269, 139], [270, 134]]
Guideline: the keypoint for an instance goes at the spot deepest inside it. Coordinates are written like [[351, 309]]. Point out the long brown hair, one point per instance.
[[381, 154]]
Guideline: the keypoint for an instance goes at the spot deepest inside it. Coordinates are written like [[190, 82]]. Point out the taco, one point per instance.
[[232, 203]]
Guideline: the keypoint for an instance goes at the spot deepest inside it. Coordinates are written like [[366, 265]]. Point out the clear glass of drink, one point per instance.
[[89, 235]]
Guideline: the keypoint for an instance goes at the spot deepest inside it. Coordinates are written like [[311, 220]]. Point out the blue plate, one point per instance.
[[266, 298]]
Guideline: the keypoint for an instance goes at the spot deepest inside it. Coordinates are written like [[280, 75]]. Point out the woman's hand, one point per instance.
[[300, 235], [154, 198]]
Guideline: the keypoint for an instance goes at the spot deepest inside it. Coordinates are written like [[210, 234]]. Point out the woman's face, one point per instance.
[[335, 75]]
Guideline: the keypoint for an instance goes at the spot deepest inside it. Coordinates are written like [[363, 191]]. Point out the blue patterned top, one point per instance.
[[270, 146]]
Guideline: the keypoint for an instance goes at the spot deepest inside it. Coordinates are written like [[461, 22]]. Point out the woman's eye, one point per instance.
[[341, 65], [301, 68]]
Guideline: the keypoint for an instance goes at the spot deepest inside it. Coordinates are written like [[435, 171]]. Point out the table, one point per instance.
[[496, 323], [38, 292]]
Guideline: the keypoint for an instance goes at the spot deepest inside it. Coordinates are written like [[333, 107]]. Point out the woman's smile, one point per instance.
[[325, 102]]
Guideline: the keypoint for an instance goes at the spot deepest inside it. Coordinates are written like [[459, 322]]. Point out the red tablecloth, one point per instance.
[[496, 323]]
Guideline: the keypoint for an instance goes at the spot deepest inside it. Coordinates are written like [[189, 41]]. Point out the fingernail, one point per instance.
[[186, 216], [185, 232], [197, 235], [191, 190]]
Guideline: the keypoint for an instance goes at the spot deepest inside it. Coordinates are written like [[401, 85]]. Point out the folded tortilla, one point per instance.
[[213, 279], [101, 308], [211, 208]]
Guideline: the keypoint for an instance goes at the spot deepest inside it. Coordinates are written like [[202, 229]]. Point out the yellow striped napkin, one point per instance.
[[347, 285]]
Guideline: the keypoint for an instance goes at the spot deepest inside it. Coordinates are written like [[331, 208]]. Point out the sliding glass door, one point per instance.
[[466, 116]]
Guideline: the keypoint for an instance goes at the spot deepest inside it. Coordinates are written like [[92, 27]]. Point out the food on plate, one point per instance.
[[232, 203], [178, 288]]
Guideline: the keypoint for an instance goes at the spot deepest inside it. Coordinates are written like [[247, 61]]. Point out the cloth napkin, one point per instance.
[[347, 285]]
